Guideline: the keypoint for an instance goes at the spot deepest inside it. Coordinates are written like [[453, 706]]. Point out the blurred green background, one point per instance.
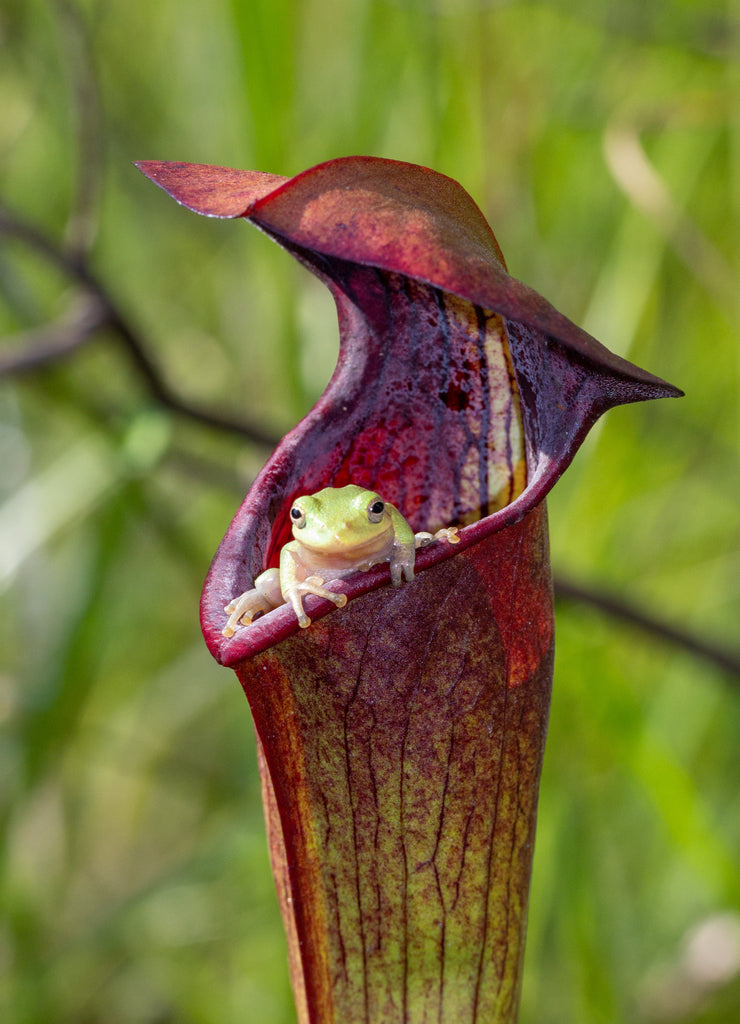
[[602, 141]]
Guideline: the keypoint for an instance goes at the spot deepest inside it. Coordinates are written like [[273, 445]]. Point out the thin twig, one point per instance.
[[618, 608], [31, 350], [113, 319]]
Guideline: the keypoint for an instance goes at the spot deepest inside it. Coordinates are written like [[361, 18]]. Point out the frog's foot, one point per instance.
[[449, 533], [311, 585], [243, 609], [262, 598]]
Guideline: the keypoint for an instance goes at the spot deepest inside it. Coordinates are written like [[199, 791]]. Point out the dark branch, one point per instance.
[[33, 349], [616, 607], [113, 319]]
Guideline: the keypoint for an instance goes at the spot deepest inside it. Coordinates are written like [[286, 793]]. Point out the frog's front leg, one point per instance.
[[404, 553], [263, 597], [312, 585], [401, 562], [295, 584]]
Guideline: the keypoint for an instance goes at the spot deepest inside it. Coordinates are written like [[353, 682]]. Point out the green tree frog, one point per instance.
[[337, 532]]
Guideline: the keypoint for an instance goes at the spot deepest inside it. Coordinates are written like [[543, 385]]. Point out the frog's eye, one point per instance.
[[376, 511], [298, 516]]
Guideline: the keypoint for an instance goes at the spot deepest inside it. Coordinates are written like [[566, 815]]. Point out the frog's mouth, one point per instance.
[[337, 554]]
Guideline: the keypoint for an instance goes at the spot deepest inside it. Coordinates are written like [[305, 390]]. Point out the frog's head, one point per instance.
[[340, 519]]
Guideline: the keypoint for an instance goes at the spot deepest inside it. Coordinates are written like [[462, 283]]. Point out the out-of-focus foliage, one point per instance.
[[602, 141]]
